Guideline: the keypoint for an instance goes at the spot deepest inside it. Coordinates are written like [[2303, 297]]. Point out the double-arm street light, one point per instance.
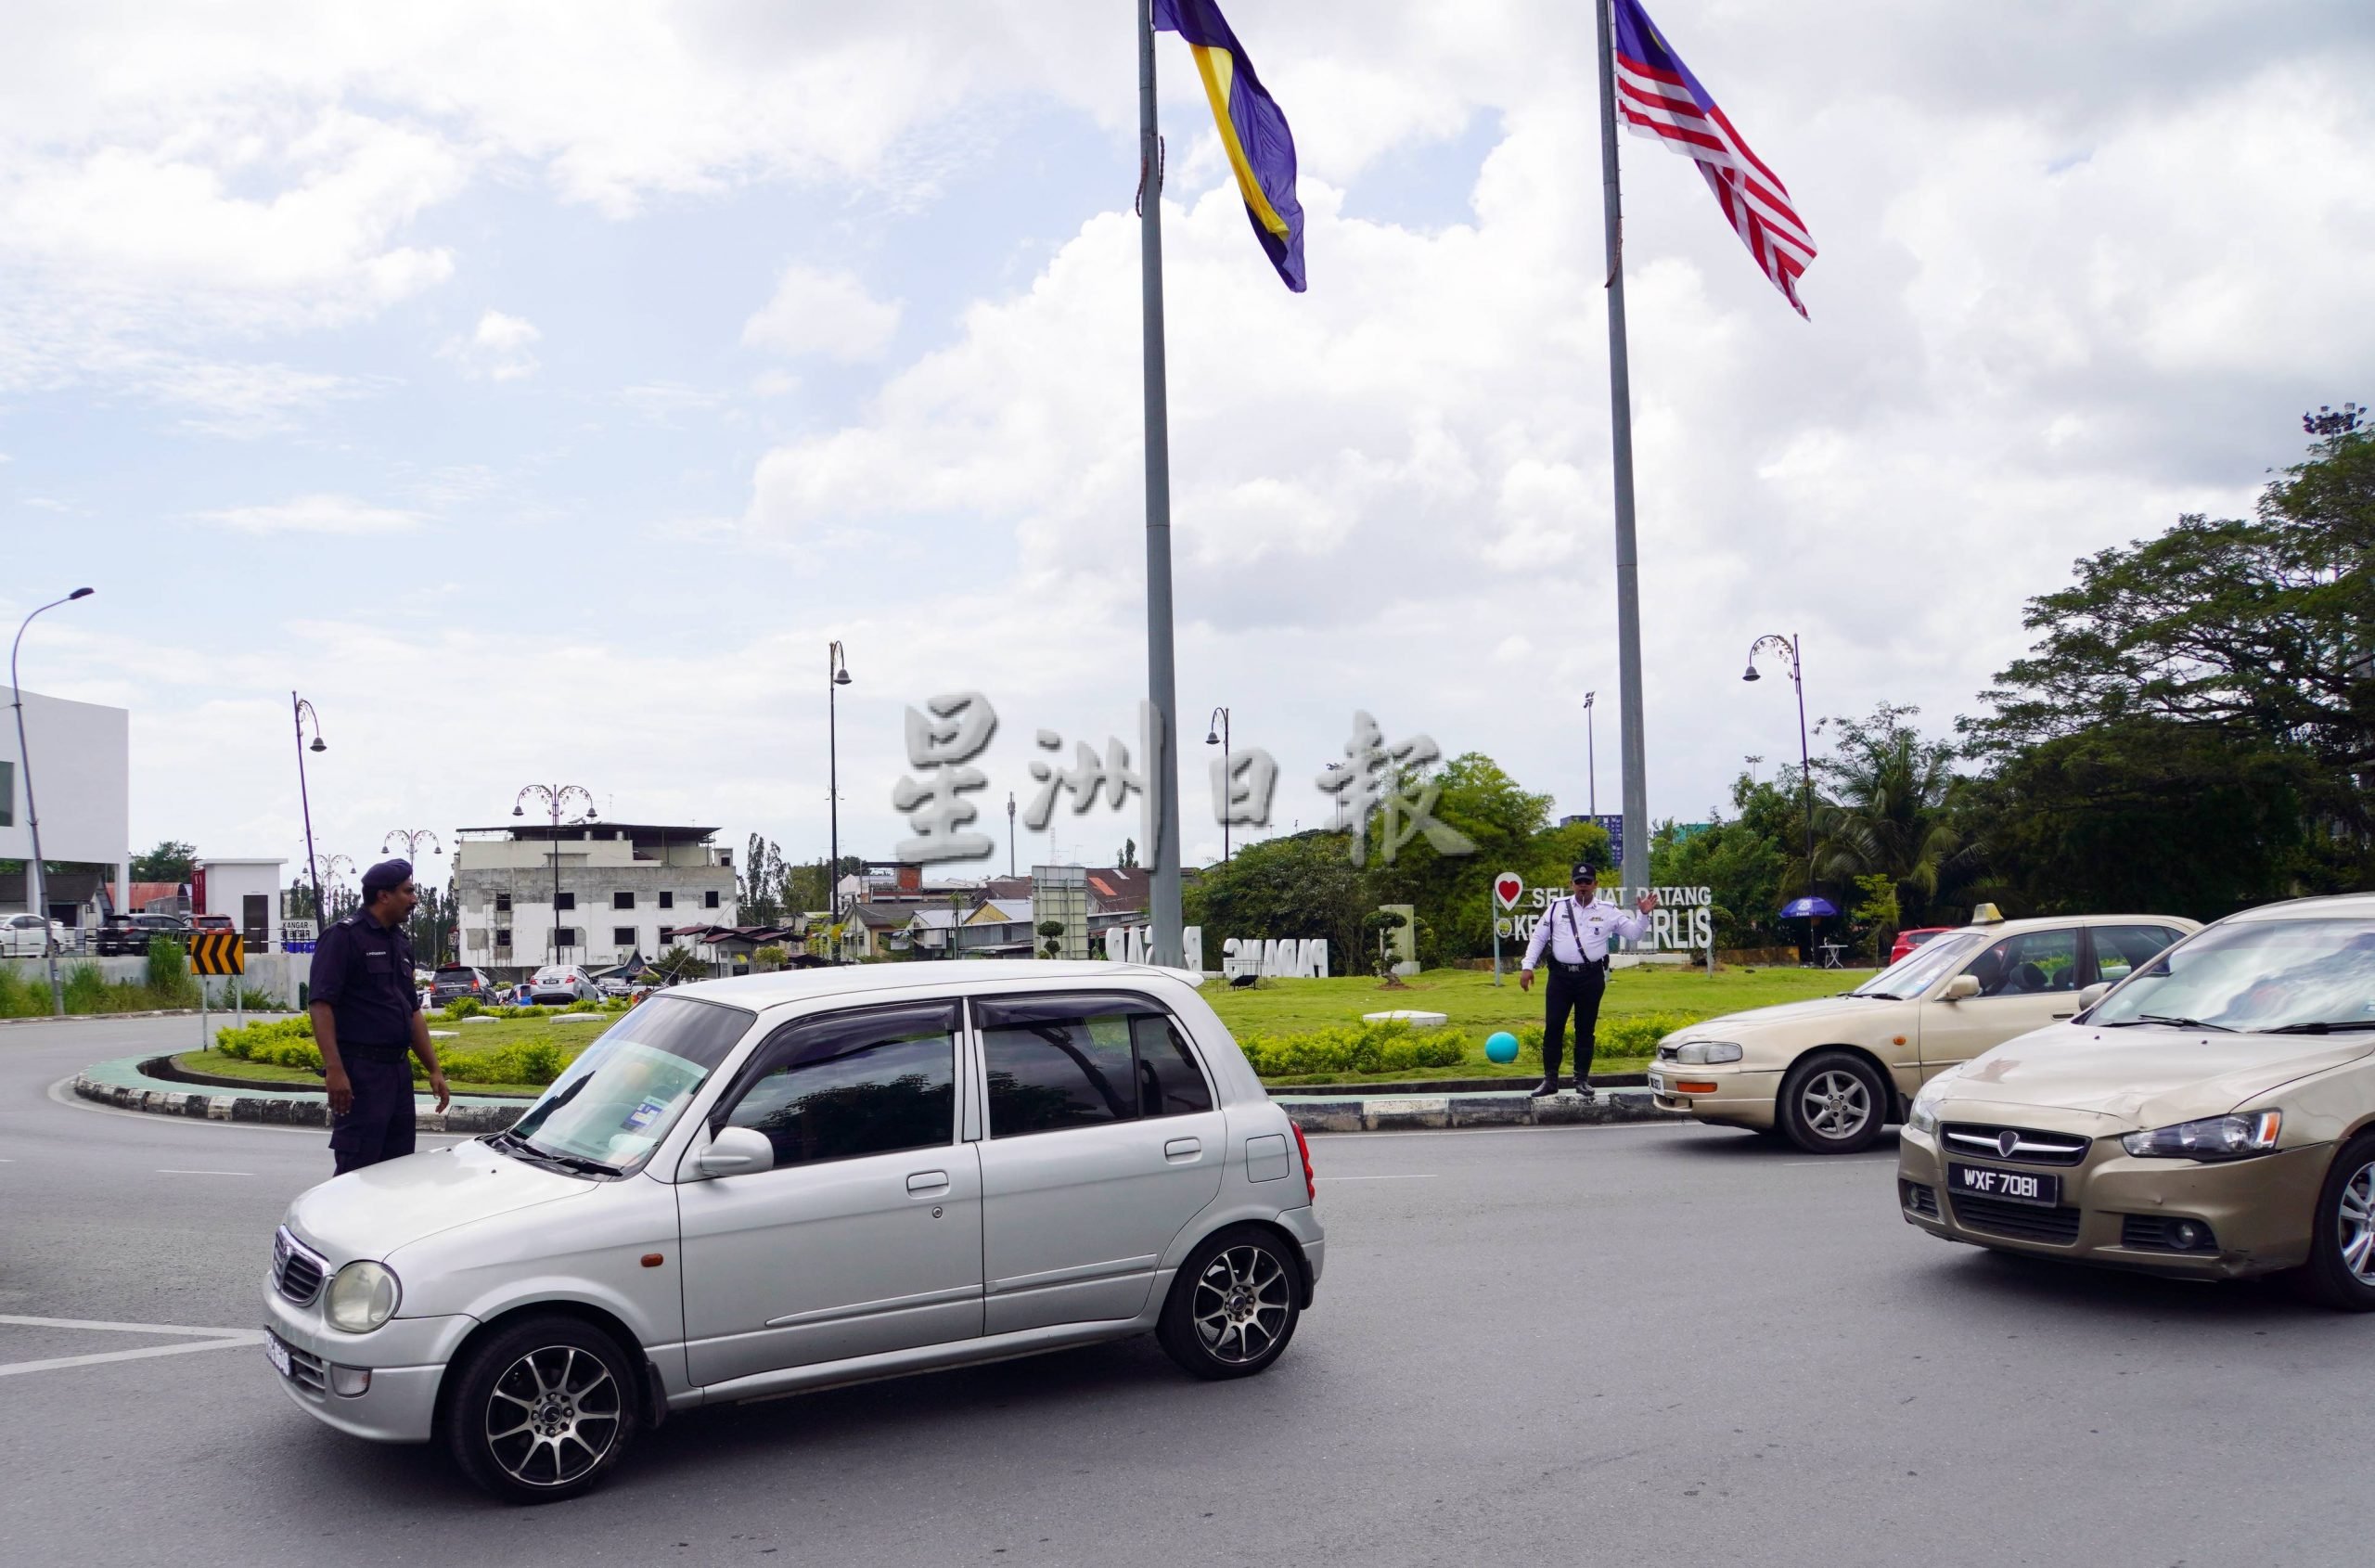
[[299, 711], [412, 837], [837, 675], [1217, 734], [38, 886], [556, 796], [1787, 649], [332, 866]]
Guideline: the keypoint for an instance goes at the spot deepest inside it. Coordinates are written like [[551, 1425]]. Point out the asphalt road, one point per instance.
[[1636, 1345]]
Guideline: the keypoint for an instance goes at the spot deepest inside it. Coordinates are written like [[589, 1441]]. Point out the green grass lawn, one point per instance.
[[489, 1033], [1472, 1004]]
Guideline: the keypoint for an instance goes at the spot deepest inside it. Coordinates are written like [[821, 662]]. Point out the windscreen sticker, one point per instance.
[[641, 1116]]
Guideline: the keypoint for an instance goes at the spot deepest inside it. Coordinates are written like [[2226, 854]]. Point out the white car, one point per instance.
[[749, 1187], [22, 936], [557, 985]]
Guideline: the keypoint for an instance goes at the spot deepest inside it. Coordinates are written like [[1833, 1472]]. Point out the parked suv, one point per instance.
[[454, 981], [129, 934], [825, 1175]]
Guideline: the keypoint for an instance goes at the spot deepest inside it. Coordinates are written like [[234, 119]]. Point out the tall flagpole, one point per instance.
[[1635, 747], [1163, 729]]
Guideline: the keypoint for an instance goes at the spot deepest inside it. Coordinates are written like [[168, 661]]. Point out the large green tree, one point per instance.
[[1883, 811], [170, 861], [1305, 886]]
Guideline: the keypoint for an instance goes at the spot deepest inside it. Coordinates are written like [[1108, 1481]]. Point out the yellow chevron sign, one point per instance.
[[217, 952]]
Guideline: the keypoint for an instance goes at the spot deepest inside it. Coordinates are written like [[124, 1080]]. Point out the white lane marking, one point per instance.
[[170, 1171], [1843, 1161], [209, 1338], [1428, 1176]]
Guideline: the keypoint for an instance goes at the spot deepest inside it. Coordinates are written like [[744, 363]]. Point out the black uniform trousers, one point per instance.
[[1573, 988], [379, 1124]]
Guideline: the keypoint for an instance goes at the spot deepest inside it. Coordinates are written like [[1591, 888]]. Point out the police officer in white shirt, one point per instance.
[[1576, 930]]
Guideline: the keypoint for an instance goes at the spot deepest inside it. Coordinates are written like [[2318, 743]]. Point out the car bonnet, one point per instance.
[[370, 1213], [2147, 1076]]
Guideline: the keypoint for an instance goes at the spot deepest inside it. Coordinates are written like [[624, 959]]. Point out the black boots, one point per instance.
[[1547, 1087]]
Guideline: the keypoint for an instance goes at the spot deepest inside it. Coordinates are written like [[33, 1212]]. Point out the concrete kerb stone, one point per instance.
[[1411, 1111], [121, 1083]]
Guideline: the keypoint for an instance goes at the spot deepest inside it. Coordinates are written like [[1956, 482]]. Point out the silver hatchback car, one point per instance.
[[747, 1187]]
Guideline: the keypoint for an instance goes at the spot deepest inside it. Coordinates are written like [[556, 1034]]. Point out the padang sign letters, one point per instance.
[[1684, 921]]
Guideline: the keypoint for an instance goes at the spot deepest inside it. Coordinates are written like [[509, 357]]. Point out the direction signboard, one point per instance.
[[217, 952]]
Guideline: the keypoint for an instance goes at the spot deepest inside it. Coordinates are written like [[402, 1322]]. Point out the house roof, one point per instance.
[[141, 894], [1000, 911], [1111, 887]]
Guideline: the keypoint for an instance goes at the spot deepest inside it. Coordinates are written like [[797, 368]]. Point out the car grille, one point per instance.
[[2024, 1221], [296, 1271], [2029, 1146], [2151, 1233], [1919, 1198], [306, 1370]]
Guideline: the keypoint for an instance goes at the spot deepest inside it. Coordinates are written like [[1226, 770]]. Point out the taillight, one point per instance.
[[1310, 1182]]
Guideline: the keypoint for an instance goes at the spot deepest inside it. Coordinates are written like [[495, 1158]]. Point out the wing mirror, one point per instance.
[[2092, 995], [736, 1152], [1961, 988]]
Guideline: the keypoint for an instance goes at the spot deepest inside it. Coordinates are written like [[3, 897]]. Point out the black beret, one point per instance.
[[385, 875]]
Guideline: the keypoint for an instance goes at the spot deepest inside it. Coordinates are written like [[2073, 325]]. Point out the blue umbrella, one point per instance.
[[1807, 908]]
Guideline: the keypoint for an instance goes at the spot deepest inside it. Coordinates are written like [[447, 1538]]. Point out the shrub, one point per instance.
[[167, 973], [86, 988], [1624, 1035], [1392, 1047]]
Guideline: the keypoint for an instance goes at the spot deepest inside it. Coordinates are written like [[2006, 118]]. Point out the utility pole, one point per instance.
[[1161, 763]]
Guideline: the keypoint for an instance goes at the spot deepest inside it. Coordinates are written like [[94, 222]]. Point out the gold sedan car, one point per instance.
[[2213, 1115], [1830, 1075]]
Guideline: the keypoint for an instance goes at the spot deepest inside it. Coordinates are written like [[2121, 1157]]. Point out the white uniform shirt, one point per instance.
[[1578, 933]]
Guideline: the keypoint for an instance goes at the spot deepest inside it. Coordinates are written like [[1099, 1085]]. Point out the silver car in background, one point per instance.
[[560, 985], [748, 1188]]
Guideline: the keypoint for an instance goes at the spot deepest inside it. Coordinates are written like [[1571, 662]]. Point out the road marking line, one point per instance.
[[247, 1337], [1430, 1176], [119, 1327], [170, 1171]]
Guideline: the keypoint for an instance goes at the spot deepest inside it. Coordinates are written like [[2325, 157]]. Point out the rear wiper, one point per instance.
[[2321, 1026]]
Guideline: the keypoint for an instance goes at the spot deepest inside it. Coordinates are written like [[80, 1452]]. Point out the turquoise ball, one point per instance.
[[1502, 1046]]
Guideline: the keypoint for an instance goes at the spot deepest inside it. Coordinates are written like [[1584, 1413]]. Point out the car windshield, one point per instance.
[[617, 1100], [2256, 976], [1921, 969]]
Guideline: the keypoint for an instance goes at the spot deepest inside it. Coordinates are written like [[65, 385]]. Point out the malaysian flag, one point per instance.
[[1657, 97]]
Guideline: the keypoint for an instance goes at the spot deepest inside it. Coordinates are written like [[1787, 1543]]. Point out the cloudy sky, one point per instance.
[[539, 388]]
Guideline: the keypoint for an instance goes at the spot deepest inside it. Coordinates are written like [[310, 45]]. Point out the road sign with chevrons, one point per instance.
[[217, 952]]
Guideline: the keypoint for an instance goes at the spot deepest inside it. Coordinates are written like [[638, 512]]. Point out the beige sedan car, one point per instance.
[[1830, 1075], [2213, 1115]]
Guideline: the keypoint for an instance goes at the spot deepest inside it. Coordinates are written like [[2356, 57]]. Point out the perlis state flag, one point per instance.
[[1657, 97], [1254, 130]]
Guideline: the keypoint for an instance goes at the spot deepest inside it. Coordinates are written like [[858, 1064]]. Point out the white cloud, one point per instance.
[[316, 514], [500, 348], [825, 312]]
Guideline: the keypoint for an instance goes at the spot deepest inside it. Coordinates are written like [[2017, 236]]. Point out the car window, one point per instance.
[[1920, 969], [2307, 974], [1073, 1062], [2121, 949], [617, 1099], [850, 1084], [2030, 964]]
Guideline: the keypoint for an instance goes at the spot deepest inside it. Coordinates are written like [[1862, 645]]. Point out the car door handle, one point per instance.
[[927, 1181], [1183, 1148]]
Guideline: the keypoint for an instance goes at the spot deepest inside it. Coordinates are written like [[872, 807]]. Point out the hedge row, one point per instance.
[[289, 1043], [1357, 1048]]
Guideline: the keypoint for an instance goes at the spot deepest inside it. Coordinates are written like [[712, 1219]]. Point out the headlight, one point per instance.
[[362, 1296], [2213, 1138], [1922, 1117], [1706, 1053]]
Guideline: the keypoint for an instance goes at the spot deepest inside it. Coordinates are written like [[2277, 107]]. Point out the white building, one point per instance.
[[619, 885], [82, 777], [247, 891]]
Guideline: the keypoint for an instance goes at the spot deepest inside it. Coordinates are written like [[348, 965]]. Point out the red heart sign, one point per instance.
[[1507, 887]]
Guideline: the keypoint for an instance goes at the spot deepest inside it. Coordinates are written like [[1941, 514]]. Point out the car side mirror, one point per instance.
[[736, 1152], [1961, 988], [2092, 995]]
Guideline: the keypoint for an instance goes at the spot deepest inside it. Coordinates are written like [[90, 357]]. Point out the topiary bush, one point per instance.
[[1392, 1047]]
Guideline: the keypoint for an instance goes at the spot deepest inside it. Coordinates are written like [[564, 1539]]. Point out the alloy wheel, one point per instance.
[[1836, 1104], [1240, 1304], [2354, 1231], [552, 1416]]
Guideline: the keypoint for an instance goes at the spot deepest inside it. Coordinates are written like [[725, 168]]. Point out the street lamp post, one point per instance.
[[39, 883], [332, 866], [556, 796], [837, 673], [411, 839], [1009, 833], [1591, 757], [1787, 649], [299, 711], [1219, 737]]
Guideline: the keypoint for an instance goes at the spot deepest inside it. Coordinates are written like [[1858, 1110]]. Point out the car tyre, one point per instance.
[[1833, 1102], [1234, 1305], [543, 1410], [2344, 1230]]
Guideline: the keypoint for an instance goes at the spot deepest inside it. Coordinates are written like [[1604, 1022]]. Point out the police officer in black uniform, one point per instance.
[[1574, 932], [366, 1020]]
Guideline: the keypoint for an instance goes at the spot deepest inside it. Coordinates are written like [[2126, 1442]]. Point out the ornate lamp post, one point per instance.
[[299, 711], [40, 885], [556, 796], [837, 673], [1787, 647], [1217, 734], [411, 839], [1009, 834], [1591, 757], [332, 866]]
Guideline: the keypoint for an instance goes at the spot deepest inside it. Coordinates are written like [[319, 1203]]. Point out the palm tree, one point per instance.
[[1887, 814]]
